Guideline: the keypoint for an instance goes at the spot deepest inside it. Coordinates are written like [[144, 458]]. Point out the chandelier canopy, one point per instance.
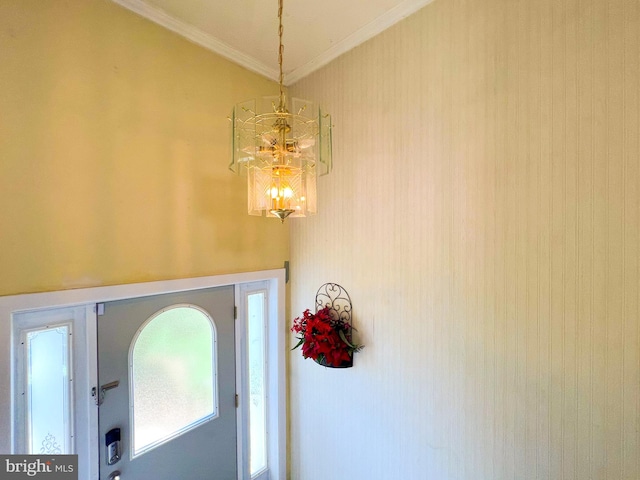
[[282, 146]]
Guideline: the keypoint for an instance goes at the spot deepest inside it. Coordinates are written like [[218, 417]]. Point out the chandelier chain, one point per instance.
[[280, 55]]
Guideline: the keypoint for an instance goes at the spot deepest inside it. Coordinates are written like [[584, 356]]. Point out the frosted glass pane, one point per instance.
[[48, 391], [173, 376], [257, 397]]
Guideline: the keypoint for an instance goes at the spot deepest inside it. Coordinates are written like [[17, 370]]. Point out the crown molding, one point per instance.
[[377, 26], [210, 42], [198, 37]]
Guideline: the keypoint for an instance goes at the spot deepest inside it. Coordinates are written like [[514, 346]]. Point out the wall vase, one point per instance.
[[342, 365], [337, 299]]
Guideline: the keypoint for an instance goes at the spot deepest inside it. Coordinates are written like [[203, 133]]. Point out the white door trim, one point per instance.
[[88, 296]]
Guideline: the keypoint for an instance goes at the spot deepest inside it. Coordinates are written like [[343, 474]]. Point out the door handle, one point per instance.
[[114, 475]]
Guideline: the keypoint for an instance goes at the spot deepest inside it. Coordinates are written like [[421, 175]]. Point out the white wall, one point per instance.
[[484, 215]]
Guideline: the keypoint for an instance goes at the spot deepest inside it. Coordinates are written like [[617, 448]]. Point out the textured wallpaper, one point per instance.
[[484, 215]]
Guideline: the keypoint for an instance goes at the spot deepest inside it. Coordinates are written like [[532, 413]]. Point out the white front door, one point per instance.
[[166, 376]]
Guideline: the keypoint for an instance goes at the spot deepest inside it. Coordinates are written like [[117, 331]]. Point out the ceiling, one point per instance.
[[246, 31]]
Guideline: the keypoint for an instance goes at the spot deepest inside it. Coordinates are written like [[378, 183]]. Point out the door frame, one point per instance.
[[11, 305]]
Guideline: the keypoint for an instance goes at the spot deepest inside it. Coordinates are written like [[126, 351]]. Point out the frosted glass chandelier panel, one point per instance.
[[282, 151]]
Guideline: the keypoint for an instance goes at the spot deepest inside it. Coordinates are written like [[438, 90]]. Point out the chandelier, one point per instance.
[[282, 145]]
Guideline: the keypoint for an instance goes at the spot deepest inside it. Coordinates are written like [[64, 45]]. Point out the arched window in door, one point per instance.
[[172, 376]]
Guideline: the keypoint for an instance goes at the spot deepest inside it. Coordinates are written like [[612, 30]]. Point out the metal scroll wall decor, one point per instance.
[[337, 299]]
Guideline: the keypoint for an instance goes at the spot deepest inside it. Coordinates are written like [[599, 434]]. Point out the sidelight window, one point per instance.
[[48, 389], [257, 366]]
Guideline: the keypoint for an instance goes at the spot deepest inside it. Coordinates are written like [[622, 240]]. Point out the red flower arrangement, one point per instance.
[[324, 339]]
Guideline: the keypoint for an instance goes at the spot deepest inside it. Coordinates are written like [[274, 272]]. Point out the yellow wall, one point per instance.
[[484, 215], [114, 147]]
